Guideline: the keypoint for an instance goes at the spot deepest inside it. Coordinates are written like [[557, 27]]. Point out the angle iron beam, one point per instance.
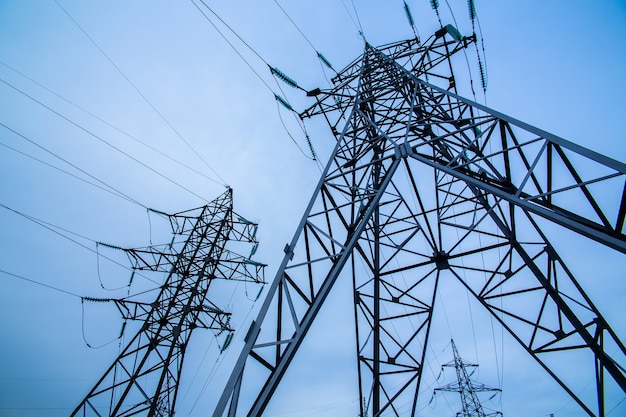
[[555, 217]]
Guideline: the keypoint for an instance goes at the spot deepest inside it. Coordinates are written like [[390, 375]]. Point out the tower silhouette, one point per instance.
[[467, 389], [425, 185], [143, 379]]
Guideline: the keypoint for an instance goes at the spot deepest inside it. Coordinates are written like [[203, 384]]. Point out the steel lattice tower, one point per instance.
[[143, 379], [467, 389], [422, 186]]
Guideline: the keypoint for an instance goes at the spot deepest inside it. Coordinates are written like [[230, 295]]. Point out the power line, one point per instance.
[[288, 133], [357, 17], [356, 25], [55, 229], [139, 92], [275, 71], [111, 189], [230, 43], [110, 124], [101, 139], [234, 32], [320, 56], [296, 26], [40, 283]]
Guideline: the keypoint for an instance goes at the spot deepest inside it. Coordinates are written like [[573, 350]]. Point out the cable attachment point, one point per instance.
[[284, 77], [409, 16], [96, 299], [324, 60], [108, 245], [284, 102]]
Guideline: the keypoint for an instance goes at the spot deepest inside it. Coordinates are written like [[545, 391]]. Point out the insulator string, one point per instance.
[[273, 70]]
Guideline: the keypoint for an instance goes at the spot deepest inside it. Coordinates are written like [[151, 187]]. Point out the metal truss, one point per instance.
[[424, 186], [467, 389], [143, 379]]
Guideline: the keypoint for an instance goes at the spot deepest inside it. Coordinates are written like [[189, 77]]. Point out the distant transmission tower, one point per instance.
[[144, 378], [425, 186], [467, 389]]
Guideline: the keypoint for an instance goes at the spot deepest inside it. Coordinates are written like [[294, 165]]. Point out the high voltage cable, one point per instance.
[[53, 228], [111, 125], [319, 54], [296, 26], [358, 26], [275, 71], [231, 45], [234, 32], [357, 17], [140, 93], [469, 68], [102, 140], [40, 283], [286, 130], [483, 69], [112, 191]]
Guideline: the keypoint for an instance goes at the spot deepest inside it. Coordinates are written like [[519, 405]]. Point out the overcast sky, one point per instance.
[[162, 75]]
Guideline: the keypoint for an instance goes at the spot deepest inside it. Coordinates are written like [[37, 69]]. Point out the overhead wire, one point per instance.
[[287, 130], [351, 17], [141, 94], [273, 70], [362, 33], [321, 57], [90, 133], [300, 122], [469, 70], [231, 45], [52, 287], [474, 16], [136, 139], [56, 229], [89, 345], [482, 69], [323, 62], [111, 191]]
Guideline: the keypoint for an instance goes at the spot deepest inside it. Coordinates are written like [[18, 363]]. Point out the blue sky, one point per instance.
[[558, 65]]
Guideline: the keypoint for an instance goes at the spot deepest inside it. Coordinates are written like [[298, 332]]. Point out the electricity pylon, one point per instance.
[[143, 379], [423, 186], [467, 389]]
